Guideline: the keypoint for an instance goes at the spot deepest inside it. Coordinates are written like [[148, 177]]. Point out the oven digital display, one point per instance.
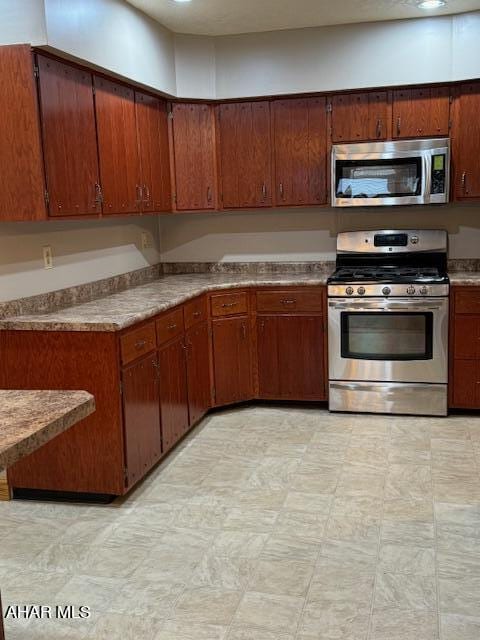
[[390, 240]]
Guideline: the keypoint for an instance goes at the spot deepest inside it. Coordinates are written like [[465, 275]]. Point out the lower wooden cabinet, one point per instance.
[[197, 343], [232, 360], [173, 392], [141, 417], [290, 352], [465, 347]]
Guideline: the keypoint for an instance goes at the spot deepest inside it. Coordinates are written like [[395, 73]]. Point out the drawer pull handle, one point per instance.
[[140, 344], [227, 305], [196, 314], [288, 301], [171, 327]]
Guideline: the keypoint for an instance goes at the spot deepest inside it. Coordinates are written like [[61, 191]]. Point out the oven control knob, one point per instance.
[[386, 291], [361, 291], [423, 290], [349, 291], [410, 290], [414, 239]]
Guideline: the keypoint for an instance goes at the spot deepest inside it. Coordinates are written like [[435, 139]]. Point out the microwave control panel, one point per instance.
[[438, 173]]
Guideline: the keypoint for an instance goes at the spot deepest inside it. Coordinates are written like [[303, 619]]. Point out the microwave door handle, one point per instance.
[[427, 180]]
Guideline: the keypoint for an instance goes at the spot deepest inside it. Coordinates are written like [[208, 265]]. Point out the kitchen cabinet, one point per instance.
[[117, 147], [152, 132], [141, 417], [197, 342], [291, 344], [421, 112], [465, 347], [173, 392], [300, 143], [194, 156], [245, 152], [22, 196], [466, 142], [69, 138], [232, 361], [360, 116]]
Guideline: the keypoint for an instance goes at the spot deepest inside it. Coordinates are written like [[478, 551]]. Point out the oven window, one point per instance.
[[378, 178], [387, 336]]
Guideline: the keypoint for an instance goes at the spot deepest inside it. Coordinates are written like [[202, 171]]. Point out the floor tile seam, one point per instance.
[[379, 545]]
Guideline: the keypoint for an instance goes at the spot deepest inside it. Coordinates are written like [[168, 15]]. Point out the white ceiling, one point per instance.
[[226, 17]]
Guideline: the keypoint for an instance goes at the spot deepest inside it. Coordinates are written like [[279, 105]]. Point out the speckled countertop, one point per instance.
[[120, 310], [125, 308], [29, 419]]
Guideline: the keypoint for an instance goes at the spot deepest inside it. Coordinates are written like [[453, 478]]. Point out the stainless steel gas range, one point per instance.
[[388, 323]]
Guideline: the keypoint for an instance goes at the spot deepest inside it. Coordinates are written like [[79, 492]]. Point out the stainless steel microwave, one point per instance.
[[399, 172]]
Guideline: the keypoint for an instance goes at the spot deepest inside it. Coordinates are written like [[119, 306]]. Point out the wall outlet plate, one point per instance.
[[146, 240], [47, 257]]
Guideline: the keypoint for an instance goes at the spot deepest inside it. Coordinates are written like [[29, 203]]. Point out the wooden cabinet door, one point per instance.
[[420, 113], [299, 126], [152, 131], [173, 392], [232, 360], [290, 357], [141, 415], [466, 384], [466, 142], [69, 138], [245, 154], [359, 116], [198, 371], [194, 156], [117, 147], [467, 337], [22, 196]]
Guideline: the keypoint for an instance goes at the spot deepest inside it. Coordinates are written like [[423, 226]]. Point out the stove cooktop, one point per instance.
[[385, 274]]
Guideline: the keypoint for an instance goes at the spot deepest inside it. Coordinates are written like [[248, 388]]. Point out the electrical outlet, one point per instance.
[[47, 257], [146, 241]]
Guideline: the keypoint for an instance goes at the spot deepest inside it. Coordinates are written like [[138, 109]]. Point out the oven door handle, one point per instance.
[[388, 306]]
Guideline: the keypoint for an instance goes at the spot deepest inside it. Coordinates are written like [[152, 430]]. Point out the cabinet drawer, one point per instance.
[[467, 301], [227, 304], [170, 326], [195, 311], [290, 300], [137, 343]]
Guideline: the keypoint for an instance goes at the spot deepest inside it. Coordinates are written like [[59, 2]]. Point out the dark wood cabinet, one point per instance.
[[465, 347], [117, 147], [152, 132], [291, 357], [194, 156], [466, 142], [197, 343], [141, 417], [22, 196], [69, 138], [300, 143], [173, 392], [421, 112], [245, 152], [232, 361], [360, 116]]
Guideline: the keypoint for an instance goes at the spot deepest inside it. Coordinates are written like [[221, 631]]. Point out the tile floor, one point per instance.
[[268, 523]]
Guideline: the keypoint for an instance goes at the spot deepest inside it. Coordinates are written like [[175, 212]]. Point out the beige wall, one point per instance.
[[82, 252], [304, 234], [22, 21]]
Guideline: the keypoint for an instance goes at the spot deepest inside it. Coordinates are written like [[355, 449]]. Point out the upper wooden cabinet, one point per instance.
[[194, 156], [152, 130], [466, 142], [69, 138], [117, 147], [245, 154], [299, 126], [360, 116], [22, 195], [420, 113]]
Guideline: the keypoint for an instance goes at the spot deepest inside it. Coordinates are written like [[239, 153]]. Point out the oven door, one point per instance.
[[388, 340]]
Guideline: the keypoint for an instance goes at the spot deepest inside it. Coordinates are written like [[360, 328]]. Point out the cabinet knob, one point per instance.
[[140, 344]]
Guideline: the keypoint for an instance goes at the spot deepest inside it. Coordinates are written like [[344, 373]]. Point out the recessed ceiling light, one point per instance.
[[189, 1], [431, 4]]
